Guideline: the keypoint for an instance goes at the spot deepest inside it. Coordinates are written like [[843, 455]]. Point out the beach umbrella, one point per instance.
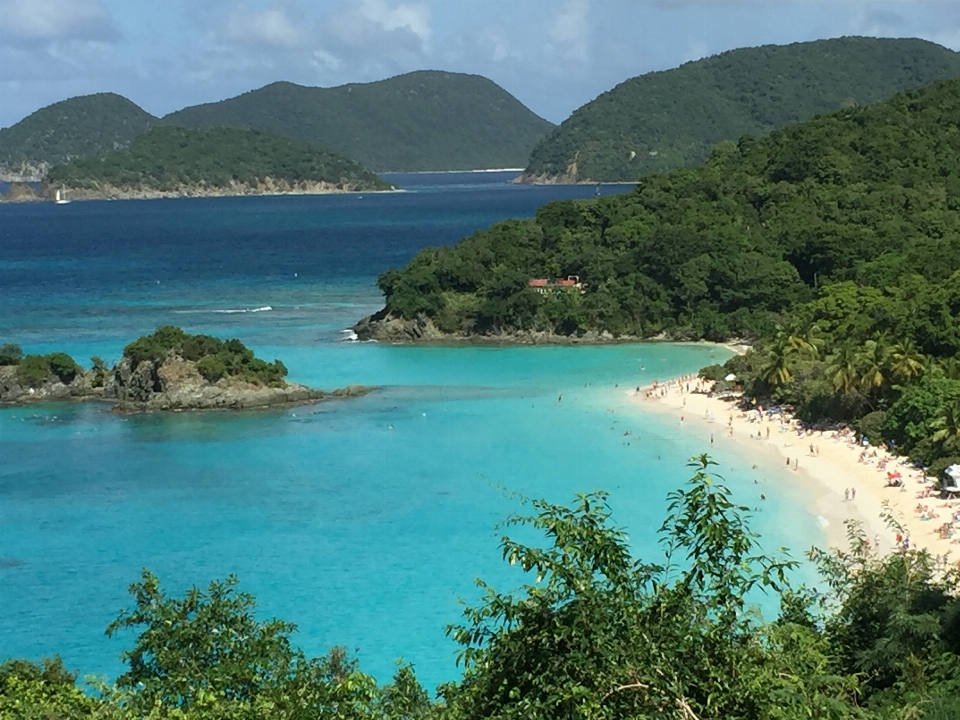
[[730, 378], [954, 472]]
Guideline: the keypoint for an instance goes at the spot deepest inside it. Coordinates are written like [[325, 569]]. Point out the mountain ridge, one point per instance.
[[418, 121], [671, 118]]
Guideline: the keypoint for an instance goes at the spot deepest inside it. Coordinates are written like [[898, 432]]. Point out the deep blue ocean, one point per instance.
[[363, 522]]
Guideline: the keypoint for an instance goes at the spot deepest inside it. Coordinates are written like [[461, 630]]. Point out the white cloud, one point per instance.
[[367, 23], [570, 31], [272, 28], [32, 21]]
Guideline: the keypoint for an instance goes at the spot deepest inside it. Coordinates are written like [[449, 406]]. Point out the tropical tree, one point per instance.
[[786, 349], [842, 370], [947, 429], [907, 363]]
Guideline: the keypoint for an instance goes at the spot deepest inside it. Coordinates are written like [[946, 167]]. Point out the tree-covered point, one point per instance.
[[424, 120], [70, 129], [36, 370], [168, 159], [869, 196], [664, 120], [593, 633], [214, 358]]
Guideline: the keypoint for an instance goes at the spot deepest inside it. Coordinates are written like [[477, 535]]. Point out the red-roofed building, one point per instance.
[[541, 285]]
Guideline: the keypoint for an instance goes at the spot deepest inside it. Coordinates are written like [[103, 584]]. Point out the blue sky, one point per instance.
[[554, 55]]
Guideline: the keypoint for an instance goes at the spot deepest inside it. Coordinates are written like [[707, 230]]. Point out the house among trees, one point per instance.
[[542, 285]]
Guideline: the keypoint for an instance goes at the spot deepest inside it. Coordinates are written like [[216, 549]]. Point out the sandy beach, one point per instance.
[[844, 480]]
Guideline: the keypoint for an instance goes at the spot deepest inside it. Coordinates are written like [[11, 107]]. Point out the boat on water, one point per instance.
[[61, 198]]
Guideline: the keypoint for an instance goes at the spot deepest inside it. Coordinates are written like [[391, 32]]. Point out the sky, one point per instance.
[[553, 55]]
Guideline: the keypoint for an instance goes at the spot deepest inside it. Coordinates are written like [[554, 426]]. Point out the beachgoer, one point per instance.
[[711, 438], [846, 494], [560, 397], [853, 493], [762, 496]]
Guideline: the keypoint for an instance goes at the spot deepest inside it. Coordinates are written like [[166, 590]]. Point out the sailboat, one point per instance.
[[61, 200]]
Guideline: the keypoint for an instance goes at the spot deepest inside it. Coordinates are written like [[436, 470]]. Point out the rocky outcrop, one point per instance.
[[20, 192], [173, 384], [384, 327], [267, 186], [24, 172], [84, 386]]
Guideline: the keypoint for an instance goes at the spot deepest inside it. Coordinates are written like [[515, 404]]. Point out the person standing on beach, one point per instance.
[[846, 494], [853, 493]]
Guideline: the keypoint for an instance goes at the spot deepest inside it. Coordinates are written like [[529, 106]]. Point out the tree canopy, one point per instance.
[[425, 120], [664, 120], [592, 633], [71, 129], [167, 158]]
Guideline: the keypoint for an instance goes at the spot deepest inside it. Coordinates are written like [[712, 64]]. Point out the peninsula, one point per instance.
[[178, 162], [168, 370]]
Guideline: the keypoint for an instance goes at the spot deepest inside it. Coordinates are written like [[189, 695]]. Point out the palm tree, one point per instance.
[[948, 367], [843, 370], [906, 362], [871, 361], [947, 426], [786, 348]]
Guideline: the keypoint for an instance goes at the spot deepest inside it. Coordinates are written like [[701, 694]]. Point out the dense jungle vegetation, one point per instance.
[[425, 120], [594, 633], [168, 158], [70, 129], [834, 243], [214, 358], [665, 120]]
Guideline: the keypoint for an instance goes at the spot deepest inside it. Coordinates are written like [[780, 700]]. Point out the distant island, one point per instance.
[[420, 121], [665, 120], [179, 162], [167, 370], [76, 128]]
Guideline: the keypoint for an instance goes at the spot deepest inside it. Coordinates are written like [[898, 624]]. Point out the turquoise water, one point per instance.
[[364, 521]]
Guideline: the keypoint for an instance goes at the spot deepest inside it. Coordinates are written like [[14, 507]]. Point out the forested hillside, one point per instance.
[[170, 159], [665, 120], [834, 245], [426, 120], [67, 130]]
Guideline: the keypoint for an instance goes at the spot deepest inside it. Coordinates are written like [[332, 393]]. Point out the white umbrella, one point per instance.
[[730, 378]]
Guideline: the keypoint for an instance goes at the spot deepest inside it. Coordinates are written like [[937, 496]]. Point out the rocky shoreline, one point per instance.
[[268, 186], [173, 386], [383, 327]]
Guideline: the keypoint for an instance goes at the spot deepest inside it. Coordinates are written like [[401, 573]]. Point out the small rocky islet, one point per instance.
[[169, 370]]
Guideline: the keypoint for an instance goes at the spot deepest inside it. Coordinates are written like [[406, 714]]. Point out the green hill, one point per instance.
[[419, 121], [169, 160], [868, 195], [74, 128], [664, 120]]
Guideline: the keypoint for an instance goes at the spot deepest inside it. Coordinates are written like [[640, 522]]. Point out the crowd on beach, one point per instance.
[[892, 471]]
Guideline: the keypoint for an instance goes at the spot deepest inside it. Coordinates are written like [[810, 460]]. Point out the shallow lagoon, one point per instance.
[[363, 521]]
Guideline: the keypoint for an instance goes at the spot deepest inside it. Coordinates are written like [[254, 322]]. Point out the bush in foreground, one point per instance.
[[593, 634]]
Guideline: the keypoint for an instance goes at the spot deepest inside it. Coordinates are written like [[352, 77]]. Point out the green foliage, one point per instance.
[[35, 370], [426, 120], [714, 373], [665, 120], [63, 366], [10, 354], [169, 159], [855, 213], [74, 128], [214, 358], [594, 633]]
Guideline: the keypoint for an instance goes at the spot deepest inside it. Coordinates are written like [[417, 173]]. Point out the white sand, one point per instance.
[[825, 474]]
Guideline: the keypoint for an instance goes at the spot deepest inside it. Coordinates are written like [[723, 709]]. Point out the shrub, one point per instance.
[[33, 371], [63, 366], [10, 354], [713, 372], [211, 368], [871, 425]]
